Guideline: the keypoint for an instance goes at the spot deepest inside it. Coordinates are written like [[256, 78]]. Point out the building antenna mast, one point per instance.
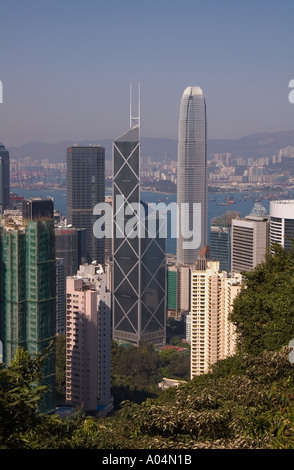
[[135, 121]]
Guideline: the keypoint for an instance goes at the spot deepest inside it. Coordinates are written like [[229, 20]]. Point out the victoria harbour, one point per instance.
[[218, 202]]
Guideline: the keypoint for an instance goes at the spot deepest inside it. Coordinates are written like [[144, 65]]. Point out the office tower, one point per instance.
[[108, 240], [70, 244], [220, 245], [60, 297], [139, 302], [38, 208], [212, 335], [192, 175], [282, 222], [249, 240], [28, 292], [85, 189], [152, 276], [88, 336], [220, 239], [4, 179], [172, 304]]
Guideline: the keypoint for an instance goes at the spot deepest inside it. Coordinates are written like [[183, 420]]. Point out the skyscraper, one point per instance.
[[282, 222], [139, 302], [212, 335], [85, 189], [28, 290], [70, 245], [192, 175], [60, 297], [220, 239], [249, 240], [38, 208], [88, 336], [4, 179]]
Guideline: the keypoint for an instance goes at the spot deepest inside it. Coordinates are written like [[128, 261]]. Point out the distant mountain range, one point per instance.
[[253, 145]]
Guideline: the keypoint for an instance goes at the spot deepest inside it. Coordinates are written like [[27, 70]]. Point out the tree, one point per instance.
[[60, 367], [263, 312], [20, 397]]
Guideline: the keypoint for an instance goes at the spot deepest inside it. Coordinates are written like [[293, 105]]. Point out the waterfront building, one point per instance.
[[220, 239], [282, 222], [250, 240], [192, 174], [88, 336], [4, 179], [85, 189], [38, 208], [211, 334]]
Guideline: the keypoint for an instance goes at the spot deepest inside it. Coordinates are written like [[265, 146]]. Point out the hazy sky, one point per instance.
[[66, 66]]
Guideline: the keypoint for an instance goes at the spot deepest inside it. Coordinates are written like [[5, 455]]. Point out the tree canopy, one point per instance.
[[264, 310]]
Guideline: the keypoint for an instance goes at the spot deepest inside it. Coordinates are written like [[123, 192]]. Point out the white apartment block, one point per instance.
[[282, 222], [212, 334], [249, 243], [60, 296], [88, 336]]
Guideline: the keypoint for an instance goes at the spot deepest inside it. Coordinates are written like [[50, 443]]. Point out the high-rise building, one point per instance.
[[4, 179], [192, 176], [38, 208], [220, 239], [139, 301], [70, 244], [108, 240], [60, 296], [183, 289], [282, 222], [249, 240], [220, 246], [88, 336], [28, 292], [172, 281], [85, 189], [212, 335]]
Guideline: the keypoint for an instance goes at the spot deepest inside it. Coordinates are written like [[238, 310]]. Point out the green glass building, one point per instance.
[[220, 239], [172, 288], [28, 293]]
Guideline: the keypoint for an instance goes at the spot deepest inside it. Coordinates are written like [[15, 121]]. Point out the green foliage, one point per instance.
[[250, 408], [175, 365], [136, 371], [20, 397], [245, 402], [264, 310], [60, 367], [175, 330]]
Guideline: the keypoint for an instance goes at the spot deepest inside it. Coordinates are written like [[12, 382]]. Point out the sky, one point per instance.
[[66, 67]]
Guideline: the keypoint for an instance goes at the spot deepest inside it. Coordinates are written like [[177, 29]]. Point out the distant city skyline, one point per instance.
[[66, 67]]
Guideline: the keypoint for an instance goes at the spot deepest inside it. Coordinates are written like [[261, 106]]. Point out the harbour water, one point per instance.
[[218, 203]]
